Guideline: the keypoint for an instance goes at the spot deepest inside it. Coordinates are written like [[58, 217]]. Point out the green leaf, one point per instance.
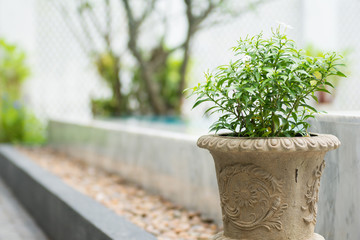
[[209, 109], [309, 107], [340, 74], [197, 103], [276, 122], [329, 84], [323, 90], [250, 90]]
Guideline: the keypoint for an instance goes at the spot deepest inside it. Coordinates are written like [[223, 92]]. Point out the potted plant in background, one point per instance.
[[268, 166], [327, 97]]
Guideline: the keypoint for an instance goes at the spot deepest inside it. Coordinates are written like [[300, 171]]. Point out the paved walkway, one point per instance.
[[15, 223]]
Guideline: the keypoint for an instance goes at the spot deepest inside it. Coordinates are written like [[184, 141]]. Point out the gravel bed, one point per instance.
[[156, 215]]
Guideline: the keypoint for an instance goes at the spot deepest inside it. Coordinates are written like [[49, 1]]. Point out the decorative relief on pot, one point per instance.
[[321, 142], [312, 194], [251, 197]]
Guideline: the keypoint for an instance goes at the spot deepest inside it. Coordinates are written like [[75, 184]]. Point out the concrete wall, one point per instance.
[[163, 162], [339, 211], [170, 164], [61, 211]]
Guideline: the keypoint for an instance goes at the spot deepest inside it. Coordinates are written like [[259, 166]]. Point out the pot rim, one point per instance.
[[317, 142]]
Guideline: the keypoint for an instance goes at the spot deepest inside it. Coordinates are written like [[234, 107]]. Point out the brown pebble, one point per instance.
[[162, 218]]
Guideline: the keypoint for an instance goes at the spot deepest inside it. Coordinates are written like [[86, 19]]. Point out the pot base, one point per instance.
[[220, 236]]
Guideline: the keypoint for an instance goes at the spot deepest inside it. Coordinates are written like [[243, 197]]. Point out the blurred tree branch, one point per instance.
[[150, 85], [108, 61], [133, 30]]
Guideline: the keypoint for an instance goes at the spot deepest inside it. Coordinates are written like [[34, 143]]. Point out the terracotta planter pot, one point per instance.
[[269, 187]]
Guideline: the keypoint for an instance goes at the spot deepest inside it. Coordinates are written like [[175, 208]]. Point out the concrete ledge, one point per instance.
[[163, 162], [60, 211], [338, 211]]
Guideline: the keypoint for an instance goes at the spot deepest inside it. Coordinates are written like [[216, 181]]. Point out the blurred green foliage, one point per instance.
[[324, 97], [108, 67], [104, 107], [313, 51], [159, 71], [13, 69], [167, 76], [17, 124]]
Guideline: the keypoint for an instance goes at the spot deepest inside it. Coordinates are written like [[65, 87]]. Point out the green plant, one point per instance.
[[108, 67], [264, 92], [103, 107], [13, 69], [17, 124], [312, 51], [324, 97], [167, 76]]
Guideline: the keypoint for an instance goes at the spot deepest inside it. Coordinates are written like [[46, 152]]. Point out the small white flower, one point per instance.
[[245, 58], [286, 26]]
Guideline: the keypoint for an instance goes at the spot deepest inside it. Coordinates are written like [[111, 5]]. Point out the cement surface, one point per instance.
[[338, 211], [62, 212], [15, 223]]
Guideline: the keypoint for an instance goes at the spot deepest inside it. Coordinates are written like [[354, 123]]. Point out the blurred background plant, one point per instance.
[[108, 58], [159, 71], [324, 97], [17, 124]]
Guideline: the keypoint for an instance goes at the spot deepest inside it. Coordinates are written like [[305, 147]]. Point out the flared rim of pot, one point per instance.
[[223, 143]]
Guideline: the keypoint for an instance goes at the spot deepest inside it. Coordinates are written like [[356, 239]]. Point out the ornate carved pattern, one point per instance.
[[312, 194], [251, 197], [220, 236], [320, 142]]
